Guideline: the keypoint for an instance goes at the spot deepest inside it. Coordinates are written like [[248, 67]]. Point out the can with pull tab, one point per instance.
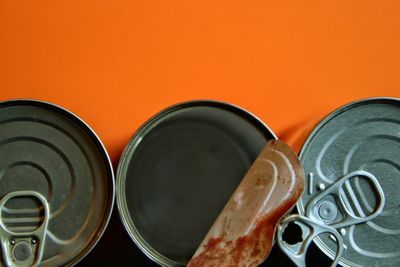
[[56, 185], [352, 165]]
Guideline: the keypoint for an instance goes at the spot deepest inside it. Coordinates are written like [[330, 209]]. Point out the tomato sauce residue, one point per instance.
[[249, 250]]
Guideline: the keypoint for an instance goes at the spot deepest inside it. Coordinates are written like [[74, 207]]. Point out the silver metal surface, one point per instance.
[[310, 229], [361, 136], [23, 247], [48, 150], [332, 207]]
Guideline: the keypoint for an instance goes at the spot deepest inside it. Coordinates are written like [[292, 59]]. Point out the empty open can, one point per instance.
[[178, 171]]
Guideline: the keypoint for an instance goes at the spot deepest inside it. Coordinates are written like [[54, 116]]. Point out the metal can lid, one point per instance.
[[56, 185], [361, 136], [178, 171]]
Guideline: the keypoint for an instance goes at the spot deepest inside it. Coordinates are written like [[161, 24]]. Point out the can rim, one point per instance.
[[134, 143], [300, 205], [102, 149]]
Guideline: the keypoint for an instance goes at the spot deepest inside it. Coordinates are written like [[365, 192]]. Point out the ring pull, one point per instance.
[[333, 208], [310, 229], [22, 244]]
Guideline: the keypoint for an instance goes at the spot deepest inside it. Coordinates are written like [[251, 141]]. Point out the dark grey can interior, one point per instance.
[[180, 169]]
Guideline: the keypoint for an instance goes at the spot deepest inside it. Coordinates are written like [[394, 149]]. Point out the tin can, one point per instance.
[[178, 171], [362, 137], [56, 185]]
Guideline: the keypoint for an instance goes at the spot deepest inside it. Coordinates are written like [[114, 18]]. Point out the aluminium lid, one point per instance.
[[361, 136], [56, 185]]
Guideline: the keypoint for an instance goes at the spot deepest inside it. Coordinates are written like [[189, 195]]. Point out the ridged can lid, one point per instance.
[[362, 136], [56, 185]]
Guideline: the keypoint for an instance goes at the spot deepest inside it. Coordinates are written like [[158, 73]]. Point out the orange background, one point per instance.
[[116, 63]]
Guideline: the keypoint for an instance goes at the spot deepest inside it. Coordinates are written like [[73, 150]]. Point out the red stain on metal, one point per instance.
[[243, 233], [249, 250]]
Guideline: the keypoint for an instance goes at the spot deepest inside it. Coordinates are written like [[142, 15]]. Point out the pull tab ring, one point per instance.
[[335, 211], [23, 248], [310, 229]]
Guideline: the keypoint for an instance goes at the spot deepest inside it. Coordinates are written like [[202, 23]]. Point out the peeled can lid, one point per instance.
[[56, 185], [362, 137]]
